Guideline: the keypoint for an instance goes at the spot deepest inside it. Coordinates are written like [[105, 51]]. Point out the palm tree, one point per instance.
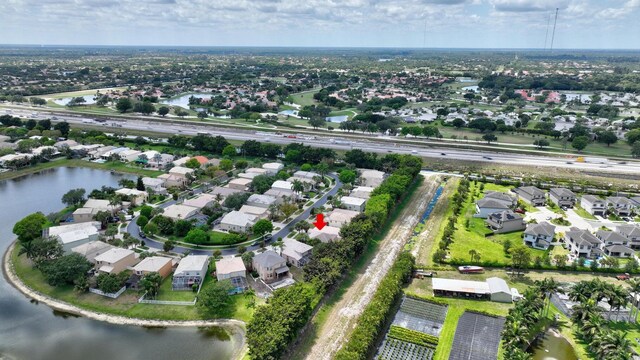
[[618, 298], [634, 290], [611, 345], [549, 286], [28, 248], [592, 326], [297, 186], [585, 310], [114, 201], [515, 334], [475, 256]]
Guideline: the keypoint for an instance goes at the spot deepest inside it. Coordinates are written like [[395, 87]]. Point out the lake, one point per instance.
[[88, 100], [35, 331], [183, 100], [553, 346]]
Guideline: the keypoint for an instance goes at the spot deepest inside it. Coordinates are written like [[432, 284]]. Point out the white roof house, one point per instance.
[[281, 184], [228, 268], [295, 252], [260, 212], [92, 249], [129, 155], [181, 161], [154, 184], [180, 171], [178, 211], [363, 192], [138, 195], [192, 263], [246, 175], [353, 203], [224, 191], [326, 234], [159, 264], [273, 167], [261, 200], [371, 178], [340, 217], [115, 260], [239, 184], [200, 201], [237, 221], [258, 171], [70, 236], [100, 205], [305, 174], [493, 288]]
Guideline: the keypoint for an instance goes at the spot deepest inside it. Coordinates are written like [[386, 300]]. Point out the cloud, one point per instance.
[[528, 5]]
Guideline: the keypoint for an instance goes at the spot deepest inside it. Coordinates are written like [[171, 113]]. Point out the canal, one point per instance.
[[34, 331]]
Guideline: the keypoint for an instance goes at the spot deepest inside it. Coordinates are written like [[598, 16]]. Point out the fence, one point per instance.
[[109, 295], [142, 300]]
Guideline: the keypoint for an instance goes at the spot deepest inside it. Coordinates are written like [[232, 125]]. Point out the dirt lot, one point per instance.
[[341, 318]]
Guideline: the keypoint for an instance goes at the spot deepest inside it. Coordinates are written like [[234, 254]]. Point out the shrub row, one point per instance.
[[412, 336], [457, 202], [371, 322]]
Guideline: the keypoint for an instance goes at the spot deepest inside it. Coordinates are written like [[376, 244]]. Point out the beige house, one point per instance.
[[115, 261], [240, 184], [326, 234], [161, 265], [229, 268], [237, 221], [192, 269], [259, 212], [273, 168], [340, 217], [258, 171], [136, 196], [201, 201], [92, 249], [270, 266], [91, 208], [362, 192], [224, 192], [171, 180], [178, 211], [296, 252], [371, 178]]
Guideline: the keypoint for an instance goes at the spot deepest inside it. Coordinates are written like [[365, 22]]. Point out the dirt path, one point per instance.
[[342, 317]]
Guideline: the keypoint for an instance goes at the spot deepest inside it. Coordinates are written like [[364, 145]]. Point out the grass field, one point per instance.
[[583, 213], [127, 303], [304, 98]]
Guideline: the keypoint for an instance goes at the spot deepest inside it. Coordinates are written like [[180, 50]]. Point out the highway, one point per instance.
[[337, 141]]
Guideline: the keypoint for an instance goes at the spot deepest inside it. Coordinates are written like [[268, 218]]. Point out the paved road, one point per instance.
[[134, 230], [340, 141]]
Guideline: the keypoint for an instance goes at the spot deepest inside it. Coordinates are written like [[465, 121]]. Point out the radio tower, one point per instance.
[[546, 34], [553, 34]]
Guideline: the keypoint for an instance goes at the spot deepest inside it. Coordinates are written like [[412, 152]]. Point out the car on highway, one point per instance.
[[443, 154]]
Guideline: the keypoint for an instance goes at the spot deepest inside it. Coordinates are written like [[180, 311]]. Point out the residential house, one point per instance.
[[582, 243], [259, 171], [614, 244], [182, 172], [636, 203], [224, 192], [539, 236], [92, 249], [273, 168], [510, 201], [179, 212], [309, 175], [91, 208], [270, 266], [505, 221], [233, 269], [259, 212], [282, 194], [129, 155], [620, 206], [295, 252], [562, 197], [203, 161], [262, 200], [632, 233], [371, 178], [326, 234], [154, 184], [172, 180], [115, 261], [340, 217], [192, 269], [72, 235], [593, 205], [362, 192], [281, 184], [201, 201], [160, 161], [531, 195], [237, 221], [182, 161], [158, 264], [353, 203], [488, 206], [135, 196], [240, 184], [249, 176]]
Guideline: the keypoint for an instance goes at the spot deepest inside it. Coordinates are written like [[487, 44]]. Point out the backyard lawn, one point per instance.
[[583, 213]]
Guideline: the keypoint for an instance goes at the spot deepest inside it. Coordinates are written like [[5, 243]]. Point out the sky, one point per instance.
[[582, 24]]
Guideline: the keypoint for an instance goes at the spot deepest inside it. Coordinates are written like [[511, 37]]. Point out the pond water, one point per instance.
[[88, 100], [474, 88], [34, 331], [553, 346], [183, 100]]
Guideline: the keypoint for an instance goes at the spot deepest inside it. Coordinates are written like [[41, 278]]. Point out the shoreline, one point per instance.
[[55, 304]]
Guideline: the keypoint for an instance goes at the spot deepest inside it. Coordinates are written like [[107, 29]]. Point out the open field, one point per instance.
[[304, 98]]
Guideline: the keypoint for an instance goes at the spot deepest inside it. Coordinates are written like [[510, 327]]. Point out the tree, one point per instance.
[[151, 229], [297, 186], [317, 122], [140, 184], [74, 197], [124, 104], [142, 221], [302, 226], [30, 227], [103, 217], [215, 297], [66, 269], [607, 137], [580, 142], [202, 115], [475, 256], [197, 236], [439, 256], [520, 257], [348, 176], [560, 260], [247, 259], [163, 110], [458, 123], [63, 127], [262, 227], [262, 183], [192, 163], [182, 227], [229, 151], [109, 283], [489, 138], [541, 143], [41, 251], [151, 283], [235, 201], [635, 150]]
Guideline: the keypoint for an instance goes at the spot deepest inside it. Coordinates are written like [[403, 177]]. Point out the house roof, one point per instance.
[[543, 228], [114, 255], [619, 249], [179, 211], [500, 196], [467, 286], [372, 174], [90, 227], [201, 159], [261, 199], [92, 249], [224, 191], [200, 201], [241, 181], [130, 192], [152, 264], [281, 184], [191, 263], [279, 192], [305, 174], [295, 249], [505, 216], [268, 259], [629, 230], [350, 200], [230, 265], [491, 204], [179, 170], [254, 170], [238, 218], [530, 191], [498, 285], [582, 236], [98, 204], [253, 210], [342, 215], [149, 181], [561, 192], [272, 166], [326, 234], [619, 200], [611, 236], [592, 199]]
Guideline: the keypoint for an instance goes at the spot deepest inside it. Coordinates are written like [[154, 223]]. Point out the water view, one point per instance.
[[24, 324], [183, 100], [88, 100], [553, 346]]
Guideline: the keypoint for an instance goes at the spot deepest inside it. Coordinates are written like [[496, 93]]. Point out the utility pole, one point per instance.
[[553, 35]]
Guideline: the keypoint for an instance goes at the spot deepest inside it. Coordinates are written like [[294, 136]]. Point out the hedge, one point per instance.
[[412, 336], [372, 320]]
